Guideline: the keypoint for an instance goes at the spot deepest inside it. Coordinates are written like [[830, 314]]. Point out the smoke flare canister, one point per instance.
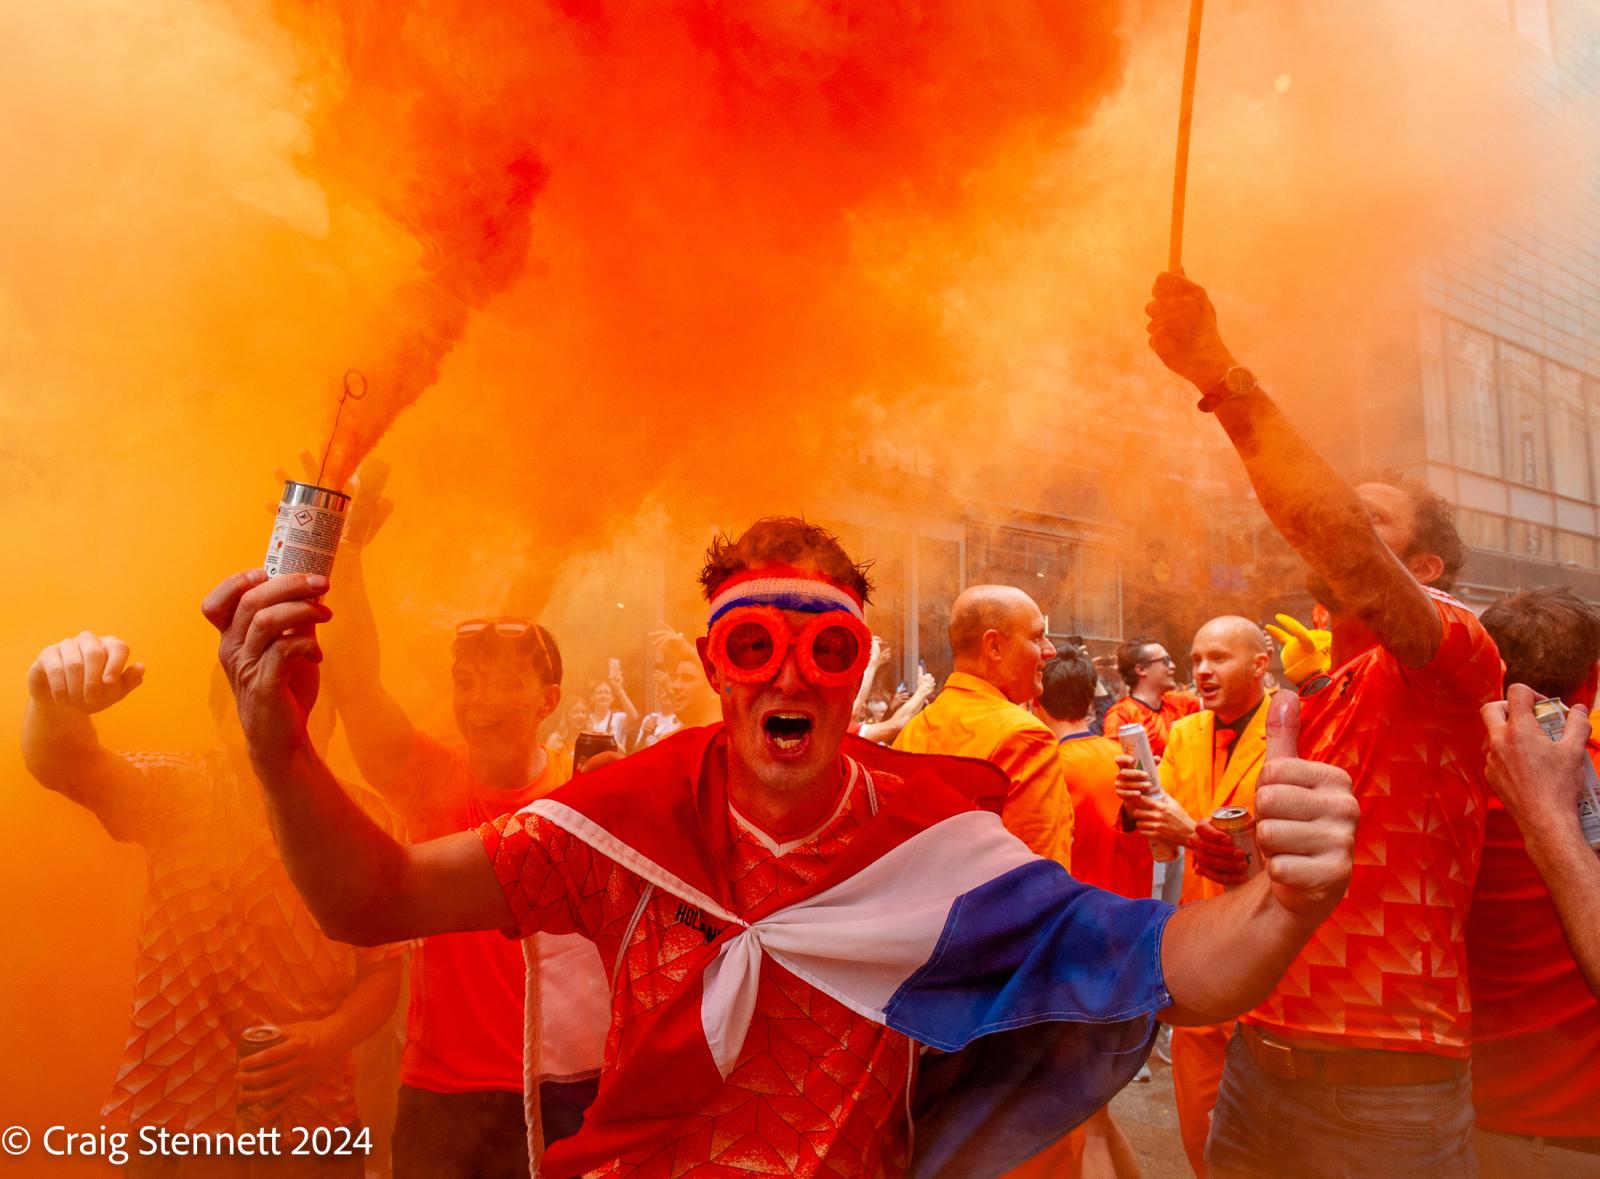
[[253, 1040], [1239, 825], [1135, 743], [305, 536], [1552, 718], [587, 745]]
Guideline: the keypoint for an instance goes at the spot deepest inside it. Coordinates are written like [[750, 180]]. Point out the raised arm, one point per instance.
[[359, 883], [1540, 782], [1315, 510], [68, 682], [380, 733], [885, 731], [1222, 957]]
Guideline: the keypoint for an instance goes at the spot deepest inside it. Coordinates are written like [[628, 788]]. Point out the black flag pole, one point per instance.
[[1180, 177]]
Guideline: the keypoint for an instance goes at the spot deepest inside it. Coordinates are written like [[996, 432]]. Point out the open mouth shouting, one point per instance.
[[788, 733]]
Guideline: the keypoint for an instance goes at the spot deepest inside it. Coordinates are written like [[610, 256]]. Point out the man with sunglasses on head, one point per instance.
[[461, 1106], [790, 914]]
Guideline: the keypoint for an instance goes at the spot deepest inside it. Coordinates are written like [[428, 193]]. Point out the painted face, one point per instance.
[[1024, 650], [498, 705], [785, 729], [1227, 671]]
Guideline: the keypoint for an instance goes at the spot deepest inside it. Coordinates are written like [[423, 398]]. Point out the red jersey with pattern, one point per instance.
[[817, 1089], [1157, 722], [224, 943], [464, 1024], [1535, 1022], [1388, 969], [1102, 853]]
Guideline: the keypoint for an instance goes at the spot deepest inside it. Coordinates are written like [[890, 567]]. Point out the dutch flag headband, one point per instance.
[[786, 588]]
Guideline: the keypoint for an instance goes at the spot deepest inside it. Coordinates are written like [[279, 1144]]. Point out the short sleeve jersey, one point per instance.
[[464, 1025], [225, 943], [1157, 722], [1103, 854], [817, 1089], [1388, 969], [1536, 1023]]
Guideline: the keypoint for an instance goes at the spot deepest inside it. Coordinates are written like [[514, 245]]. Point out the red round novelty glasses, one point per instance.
[[749, 644]]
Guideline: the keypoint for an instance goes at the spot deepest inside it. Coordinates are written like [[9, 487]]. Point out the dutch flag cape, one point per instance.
[[1034, 992]]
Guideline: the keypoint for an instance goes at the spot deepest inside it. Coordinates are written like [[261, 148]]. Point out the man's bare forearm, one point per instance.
[[346, 867], [62, 750], [1324, 521], [1223, 956], [1571, 871]]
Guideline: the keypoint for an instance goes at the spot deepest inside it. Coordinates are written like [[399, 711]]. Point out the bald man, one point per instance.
[[999, 647], [1213, 760]]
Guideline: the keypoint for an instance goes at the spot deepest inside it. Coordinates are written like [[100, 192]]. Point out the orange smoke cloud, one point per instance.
[[707, 164]]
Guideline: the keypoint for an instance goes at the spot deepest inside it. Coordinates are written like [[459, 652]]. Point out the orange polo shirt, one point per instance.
[[971, 718], [1103, 854], [1157, 722], [1388, 968]]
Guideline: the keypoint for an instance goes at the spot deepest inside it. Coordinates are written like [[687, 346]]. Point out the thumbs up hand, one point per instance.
[[1305, 820]]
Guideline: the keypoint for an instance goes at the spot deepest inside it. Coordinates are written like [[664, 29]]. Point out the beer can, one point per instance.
[[305, 535], [1239, 825], [1135, 743], [253, 1040], [1552, 718], [587, 745]]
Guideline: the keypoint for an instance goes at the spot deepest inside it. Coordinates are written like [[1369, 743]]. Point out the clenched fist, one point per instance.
[[1183, 331], [87, 674]]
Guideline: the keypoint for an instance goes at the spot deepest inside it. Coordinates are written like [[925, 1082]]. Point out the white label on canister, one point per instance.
[[1589, 805], [305, 539]]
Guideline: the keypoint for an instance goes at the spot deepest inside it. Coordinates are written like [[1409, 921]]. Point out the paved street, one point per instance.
[[1148, 1117]]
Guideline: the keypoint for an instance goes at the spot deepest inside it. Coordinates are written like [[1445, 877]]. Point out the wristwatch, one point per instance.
[[1236, 382]]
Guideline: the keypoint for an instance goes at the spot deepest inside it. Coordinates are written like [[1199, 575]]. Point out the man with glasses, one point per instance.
[[1152, 699], [461, 1106], [787, 912], [1153, 702], [999, 650]]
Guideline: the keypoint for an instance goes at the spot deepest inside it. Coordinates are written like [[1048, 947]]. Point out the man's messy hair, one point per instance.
[[783, 540]]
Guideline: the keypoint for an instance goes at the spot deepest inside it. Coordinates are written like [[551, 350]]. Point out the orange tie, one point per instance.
[[1221, 742]]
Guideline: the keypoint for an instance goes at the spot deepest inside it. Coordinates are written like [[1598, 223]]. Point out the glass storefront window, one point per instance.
[[1575, 549], [1533, 541], [1569, 431], [1474, 408], [1435, 405], [1522, 425], [1481, 530]]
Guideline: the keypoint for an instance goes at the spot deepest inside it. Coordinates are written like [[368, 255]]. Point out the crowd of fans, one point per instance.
[[1410, 993]]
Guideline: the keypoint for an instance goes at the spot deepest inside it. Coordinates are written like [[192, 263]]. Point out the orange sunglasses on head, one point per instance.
[[750, 643]]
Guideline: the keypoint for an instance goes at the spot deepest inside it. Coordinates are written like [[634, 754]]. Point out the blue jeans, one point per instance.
[[1511, 1156], [1264, 1126]]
